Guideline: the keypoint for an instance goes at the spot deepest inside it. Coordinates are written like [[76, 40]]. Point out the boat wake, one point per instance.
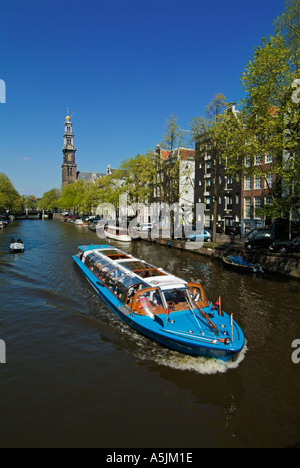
[[200, 365], [148, 351]]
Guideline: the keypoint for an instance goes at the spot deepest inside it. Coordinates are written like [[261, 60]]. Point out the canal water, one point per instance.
[[76, 376]]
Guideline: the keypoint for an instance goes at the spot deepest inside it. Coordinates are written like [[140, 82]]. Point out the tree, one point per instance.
[[137, 175], [173, 136], [272, 119], [288, 25], [73, 196], [210, 138], [30, 202], [9, 197], [50, 200], [167, 178]]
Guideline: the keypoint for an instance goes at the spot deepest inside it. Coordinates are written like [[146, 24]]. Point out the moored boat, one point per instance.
[[237, 262], [117, 233], [78, 222], [167, 309]]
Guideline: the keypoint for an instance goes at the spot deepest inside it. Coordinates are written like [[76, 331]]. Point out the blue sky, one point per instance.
[[122, 67]]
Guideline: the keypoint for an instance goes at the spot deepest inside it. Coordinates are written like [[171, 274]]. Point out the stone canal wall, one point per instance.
[[284, 264]]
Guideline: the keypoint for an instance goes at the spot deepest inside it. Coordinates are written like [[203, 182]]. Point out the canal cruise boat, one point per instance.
[[162, 307]]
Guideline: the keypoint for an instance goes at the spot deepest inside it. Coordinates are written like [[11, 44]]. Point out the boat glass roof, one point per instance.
[[108, 252], [136, 265]]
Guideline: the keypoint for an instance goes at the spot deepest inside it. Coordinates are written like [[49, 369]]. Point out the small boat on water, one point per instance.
[[239, 263], [164, 308], [117, 233], [16, 247]]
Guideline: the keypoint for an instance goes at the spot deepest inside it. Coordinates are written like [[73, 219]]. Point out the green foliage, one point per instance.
[[137, 177], [50, 200], [9, 197]]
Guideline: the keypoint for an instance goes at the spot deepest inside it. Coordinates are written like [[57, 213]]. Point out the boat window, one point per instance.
[[102, 262], [90, 260], [148, 302], [102, 269], [126, 282], [121, 295], [178, 299], [115, 274], [198, 295]]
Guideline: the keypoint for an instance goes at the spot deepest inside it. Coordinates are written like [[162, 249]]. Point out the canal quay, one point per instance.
[[76, 376]]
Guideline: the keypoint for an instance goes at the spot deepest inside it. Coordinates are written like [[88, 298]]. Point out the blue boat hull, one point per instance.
[[169, 337]]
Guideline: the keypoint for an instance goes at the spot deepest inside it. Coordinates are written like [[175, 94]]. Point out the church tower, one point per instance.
[[69, 167]]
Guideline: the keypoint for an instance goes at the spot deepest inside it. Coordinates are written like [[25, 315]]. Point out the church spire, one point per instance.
[[69, 166]]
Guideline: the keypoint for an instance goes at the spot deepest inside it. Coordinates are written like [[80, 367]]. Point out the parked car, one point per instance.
[[287, 246], [200, 236], [146, 227], [259, 239]]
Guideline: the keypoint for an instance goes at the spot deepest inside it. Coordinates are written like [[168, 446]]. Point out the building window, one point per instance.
[[269, 159], [248, 162], [229, 181], [257, 182], [247, 183], [228, 202], [257, 207], [258, 160], [247, 208], [268, 201], [269, 180], [208, 167], [207, 202], [207, 221]]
